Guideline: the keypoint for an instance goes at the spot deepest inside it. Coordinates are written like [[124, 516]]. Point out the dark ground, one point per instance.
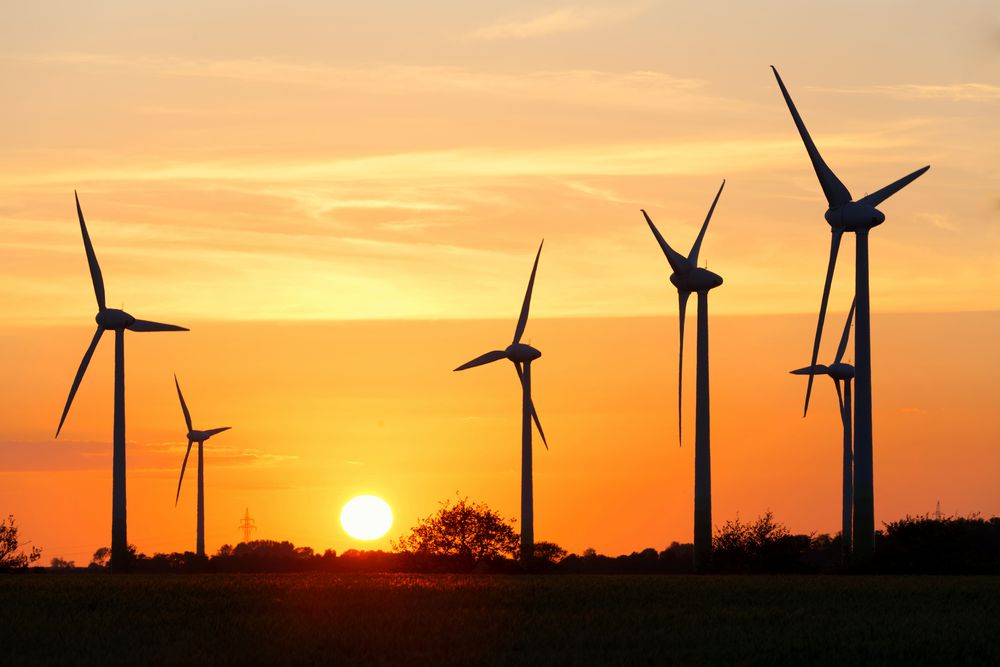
[[449, 619]]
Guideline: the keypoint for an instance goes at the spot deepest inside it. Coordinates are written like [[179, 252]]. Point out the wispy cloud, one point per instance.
[[940, 221], [654, 158], [631, 89], [602, 194], [223, 455], [162, 457], [955, 92], [561, 20]]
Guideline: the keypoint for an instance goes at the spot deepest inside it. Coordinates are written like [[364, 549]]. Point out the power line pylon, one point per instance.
[[247, 525]]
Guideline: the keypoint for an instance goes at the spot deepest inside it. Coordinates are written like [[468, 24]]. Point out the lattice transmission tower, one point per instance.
[[247, 525]]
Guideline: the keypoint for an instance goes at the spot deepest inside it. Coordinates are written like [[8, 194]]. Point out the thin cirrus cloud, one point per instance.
[[955, 92], [687, 157], [161, 456], [557, 21], [630, 89]]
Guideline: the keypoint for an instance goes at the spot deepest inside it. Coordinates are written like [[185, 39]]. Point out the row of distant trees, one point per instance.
[[468, 537]]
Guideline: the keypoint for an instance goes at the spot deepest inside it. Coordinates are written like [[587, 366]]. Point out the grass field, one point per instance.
[[443, 619]]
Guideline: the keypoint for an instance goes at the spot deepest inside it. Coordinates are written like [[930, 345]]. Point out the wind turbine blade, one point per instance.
[[145, 325], [834, 248], [534, 415], [213, 431], [682, 300], [836, 192], [879, 196], [184, 407], [847, 333], [847, 413], [815, 369], [487, 358], [840, 398], [522, 320], [79, 376], [678, 262], [696, 248], [183, 466], [95, 268]]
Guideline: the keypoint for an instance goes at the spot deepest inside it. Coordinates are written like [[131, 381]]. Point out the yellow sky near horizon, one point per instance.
[[386, 170]]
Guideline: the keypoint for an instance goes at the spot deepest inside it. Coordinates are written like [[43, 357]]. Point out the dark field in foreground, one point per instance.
[[447, 619]]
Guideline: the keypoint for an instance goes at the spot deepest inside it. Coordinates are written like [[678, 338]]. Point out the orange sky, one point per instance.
[[324, 411], [265, 174]]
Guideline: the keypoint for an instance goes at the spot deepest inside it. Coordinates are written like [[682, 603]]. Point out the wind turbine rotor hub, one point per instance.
[[853, 216], [521, 353], [112, 318], [841, 371], [696, 280]]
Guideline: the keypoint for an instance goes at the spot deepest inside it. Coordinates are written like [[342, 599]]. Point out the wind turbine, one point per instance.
[[200, 437], [521, 355], [111, 319], [688, 277], [840, 372], [844, 214]]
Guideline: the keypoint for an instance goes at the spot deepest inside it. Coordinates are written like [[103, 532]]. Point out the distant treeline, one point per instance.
[[914, 545]]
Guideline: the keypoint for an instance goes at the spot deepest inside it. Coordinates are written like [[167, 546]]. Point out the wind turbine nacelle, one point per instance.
[[197, 436], [696, 280], [521, 353], [112, 318], [840, 371], [853, 216]]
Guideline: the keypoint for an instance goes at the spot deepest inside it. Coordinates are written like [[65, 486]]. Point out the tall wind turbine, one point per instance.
[[688, 277], [200, 437], [844, 214], [521, 355], [840, 372], [111, 319]]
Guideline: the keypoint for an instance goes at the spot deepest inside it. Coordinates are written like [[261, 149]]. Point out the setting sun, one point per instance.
[[366, 517]]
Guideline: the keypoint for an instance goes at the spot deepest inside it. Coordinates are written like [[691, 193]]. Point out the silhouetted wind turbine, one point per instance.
[[521, 356], [114, 320], [688, 277], [846, 215], [200, 437], [842, 372]]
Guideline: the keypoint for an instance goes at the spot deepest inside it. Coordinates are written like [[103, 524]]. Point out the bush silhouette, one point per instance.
[[950, 545]]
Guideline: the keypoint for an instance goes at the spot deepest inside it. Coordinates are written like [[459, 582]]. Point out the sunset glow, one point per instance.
[[341, 201]]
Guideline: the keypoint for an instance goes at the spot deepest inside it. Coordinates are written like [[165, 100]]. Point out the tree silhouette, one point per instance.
[[469, 531], [763, 545], [549, 552], [11, 557], [101, 557]]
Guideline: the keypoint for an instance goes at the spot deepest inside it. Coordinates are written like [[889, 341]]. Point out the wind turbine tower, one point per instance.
[[842, 373], [200, 437], [521, 355], [111, 319], [688, 277], [844, 214]]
